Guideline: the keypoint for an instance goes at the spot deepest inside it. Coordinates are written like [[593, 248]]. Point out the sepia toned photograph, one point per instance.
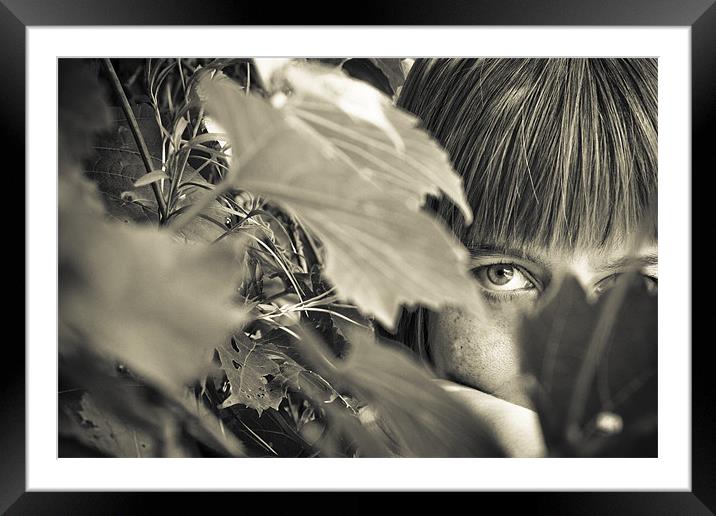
[[358, 257]]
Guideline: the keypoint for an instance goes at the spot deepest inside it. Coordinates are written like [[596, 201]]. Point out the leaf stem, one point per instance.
[[177, 176], [138, 138]]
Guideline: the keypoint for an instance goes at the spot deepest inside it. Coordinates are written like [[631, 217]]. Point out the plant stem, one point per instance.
[[177, 176], [139, 140]]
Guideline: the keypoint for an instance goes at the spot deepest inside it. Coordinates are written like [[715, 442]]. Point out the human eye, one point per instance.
[[651, 282], [504, 278]]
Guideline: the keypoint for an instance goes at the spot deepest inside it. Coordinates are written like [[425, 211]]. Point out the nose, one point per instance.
[[579, 267]]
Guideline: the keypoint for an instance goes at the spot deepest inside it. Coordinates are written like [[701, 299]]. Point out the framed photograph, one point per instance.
[[412, 251]]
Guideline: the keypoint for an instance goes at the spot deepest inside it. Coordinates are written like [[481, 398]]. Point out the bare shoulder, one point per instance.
[[516, 428]]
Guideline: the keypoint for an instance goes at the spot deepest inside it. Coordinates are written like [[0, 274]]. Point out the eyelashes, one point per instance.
[[651, 283], [503, 277], [505, 281]]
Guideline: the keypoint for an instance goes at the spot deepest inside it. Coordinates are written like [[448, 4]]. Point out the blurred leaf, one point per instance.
[[166, 417], [595, 364], [330, 61], [268, 67], [385, 74], [406, 64], [103, 431], [379, 252], [414, 415], [74, 189], [355, 99], [410, 169], [139, 297], [82, 110]]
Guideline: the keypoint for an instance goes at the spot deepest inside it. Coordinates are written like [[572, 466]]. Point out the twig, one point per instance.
[[139, 140]]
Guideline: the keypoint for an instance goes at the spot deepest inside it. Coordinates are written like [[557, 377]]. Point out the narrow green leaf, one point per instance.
[[152, 177]]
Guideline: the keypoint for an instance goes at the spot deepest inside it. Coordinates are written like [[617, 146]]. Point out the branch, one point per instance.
[[139, 140]]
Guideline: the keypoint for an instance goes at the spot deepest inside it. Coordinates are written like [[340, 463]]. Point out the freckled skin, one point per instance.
[[479, 353]]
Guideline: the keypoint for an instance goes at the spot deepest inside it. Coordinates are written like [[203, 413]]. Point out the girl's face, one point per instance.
[[483, 352]]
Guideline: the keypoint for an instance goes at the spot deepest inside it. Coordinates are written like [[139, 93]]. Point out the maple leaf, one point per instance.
[[381, 142], [595, 364], [247, 367], [261, 371], [379, 251]]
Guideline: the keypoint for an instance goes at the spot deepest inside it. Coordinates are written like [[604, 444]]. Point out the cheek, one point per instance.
[[481, 353]]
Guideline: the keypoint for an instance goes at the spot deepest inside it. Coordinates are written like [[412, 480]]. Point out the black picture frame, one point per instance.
[[699, 15]]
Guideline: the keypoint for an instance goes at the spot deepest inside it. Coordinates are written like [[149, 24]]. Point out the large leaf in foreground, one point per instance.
[[596, 365], [103, 431], [407, 411], [82, 110], [160, 419], [137, 296], [376, 139], [379, 252]]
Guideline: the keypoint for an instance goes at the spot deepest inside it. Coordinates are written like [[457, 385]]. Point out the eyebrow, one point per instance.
[[619, 264], [630, 261], [478, 250]]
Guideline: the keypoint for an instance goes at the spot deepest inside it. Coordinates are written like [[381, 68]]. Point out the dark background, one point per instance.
[[16, 15]]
